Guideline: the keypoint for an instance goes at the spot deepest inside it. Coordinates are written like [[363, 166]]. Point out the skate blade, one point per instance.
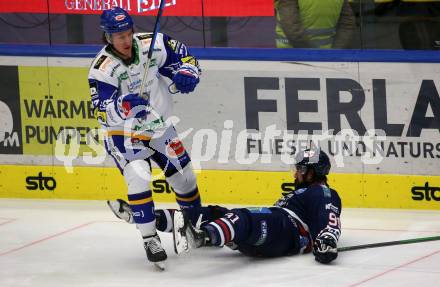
[[180, 245], [180, 241], [160, 265]]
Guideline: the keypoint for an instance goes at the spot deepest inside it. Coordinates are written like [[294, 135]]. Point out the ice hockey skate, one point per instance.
[[121, 209], [185, 235], [155, 252]]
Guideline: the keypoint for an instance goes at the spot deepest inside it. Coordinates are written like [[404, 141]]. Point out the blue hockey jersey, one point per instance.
[[317, 207]]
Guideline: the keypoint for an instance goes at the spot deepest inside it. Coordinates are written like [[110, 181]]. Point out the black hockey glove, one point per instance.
[[324, 248]]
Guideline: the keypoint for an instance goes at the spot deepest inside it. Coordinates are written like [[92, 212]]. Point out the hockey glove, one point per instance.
[[324, 248], [132, 106], [186, 78]]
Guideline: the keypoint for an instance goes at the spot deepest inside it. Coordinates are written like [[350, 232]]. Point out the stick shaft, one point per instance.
[[388, 243], [151, 49]]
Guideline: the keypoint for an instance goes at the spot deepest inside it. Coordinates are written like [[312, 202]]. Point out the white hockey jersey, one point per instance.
[[110, 76]]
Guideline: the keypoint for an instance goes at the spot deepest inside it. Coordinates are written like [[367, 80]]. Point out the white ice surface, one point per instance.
[[51, 243]]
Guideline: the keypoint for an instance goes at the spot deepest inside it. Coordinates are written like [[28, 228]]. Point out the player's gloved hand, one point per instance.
[[132, 106], [186, 78], [324, 248]]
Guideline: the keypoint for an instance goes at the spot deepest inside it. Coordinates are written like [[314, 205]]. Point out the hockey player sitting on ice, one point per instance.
[[135, 124], [304, 220]]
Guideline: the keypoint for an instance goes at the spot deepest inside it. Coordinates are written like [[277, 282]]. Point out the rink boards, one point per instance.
[[220, 186], [240, 127]]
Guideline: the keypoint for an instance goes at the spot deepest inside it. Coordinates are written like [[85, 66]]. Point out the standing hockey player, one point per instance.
[[136, 126], [304, 220]]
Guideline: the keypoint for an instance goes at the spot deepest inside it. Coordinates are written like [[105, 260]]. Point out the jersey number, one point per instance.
[[333, 220], [232, 217]]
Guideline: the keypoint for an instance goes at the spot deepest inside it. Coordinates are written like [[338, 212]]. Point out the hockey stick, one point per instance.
[[150, 50], [388, 243]]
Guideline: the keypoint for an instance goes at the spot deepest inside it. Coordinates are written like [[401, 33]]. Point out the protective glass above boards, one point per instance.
[[318, 24]]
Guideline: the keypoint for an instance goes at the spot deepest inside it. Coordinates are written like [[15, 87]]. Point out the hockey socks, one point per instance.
[[191, 199], [142, 206], [220, 231]]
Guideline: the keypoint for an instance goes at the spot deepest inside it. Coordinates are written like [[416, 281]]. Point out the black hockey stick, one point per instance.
[[151, 49], [388, 243]]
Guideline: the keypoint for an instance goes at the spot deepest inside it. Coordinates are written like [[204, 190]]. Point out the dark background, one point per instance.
[[395, 24]]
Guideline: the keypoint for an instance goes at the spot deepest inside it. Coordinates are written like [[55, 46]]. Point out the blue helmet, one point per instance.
[[115, 20], [316, 159]]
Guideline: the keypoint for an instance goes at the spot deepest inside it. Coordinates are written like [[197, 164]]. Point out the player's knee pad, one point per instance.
[[183, 181], [137, 174]]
